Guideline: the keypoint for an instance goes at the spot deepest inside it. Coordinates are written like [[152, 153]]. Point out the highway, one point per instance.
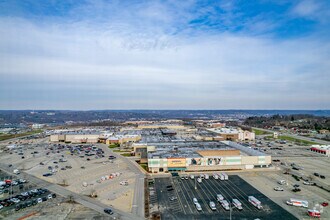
[[317, 141], [83, 200]]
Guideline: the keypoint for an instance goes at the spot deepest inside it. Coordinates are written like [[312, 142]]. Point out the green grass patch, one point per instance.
[[144, 166], [114, 145], [295, 140], [126, 154], [260, 132], [10, 136]]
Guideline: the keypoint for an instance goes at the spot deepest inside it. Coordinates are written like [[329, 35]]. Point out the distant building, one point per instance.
[[123, 139], [77, 138], [37, 126], [234, 134], [324, 131]]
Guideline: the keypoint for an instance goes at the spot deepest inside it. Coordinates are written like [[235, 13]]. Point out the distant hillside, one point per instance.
[[58, 117]]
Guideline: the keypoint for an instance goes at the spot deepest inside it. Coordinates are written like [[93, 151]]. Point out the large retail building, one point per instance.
[[224, 155]]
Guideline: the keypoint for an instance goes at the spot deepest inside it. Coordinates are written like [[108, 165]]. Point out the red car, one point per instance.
[[324, 204]]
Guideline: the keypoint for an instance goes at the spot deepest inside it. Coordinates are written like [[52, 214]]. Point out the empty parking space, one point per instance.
[[185, 190]]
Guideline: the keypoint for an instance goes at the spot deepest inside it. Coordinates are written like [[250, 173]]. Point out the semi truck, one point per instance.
[[255, 202], [314, 213], [298, 203], [237, 204], [225, 204]]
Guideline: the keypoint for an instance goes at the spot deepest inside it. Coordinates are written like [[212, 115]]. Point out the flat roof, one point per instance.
[[225, 152]]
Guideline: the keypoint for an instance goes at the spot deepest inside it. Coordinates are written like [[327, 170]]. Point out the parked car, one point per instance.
[[277, 188], [324, 204], [172, 198], [108, 211]]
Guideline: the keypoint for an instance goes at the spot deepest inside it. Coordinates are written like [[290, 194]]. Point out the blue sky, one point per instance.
[[101, 54]]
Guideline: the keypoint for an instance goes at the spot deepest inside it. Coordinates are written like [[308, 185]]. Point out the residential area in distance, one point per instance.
[[174, 168]]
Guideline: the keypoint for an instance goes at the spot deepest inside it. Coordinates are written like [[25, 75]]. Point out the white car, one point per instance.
[[207, 176], [15, 200], [308, 183], [198, 207], [212, 205], [277, 188], [49, 196], [1, 206], [14, 183], [195, 201], [199, 180], [39, 200], [24, 194], [192, 177], [124, 183], [215, 176]]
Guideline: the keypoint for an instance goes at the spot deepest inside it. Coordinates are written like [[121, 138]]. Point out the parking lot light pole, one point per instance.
[[230, 208]]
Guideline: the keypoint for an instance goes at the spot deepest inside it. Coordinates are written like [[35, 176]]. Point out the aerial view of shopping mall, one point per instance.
[[163, 169]]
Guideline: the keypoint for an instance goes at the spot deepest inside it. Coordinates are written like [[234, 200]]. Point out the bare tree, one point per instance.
[[71, 199], [93, 193]]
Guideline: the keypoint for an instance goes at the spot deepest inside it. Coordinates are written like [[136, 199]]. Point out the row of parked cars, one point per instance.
[[8, 183], [18, 199]]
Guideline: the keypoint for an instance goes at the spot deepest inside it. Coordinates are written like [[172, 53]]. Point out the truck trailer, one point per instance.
[[237, 204], [298, 203], [255, 202]]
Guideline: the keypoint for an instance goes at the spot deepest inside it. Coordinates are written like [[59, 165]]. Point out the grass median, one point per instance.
[[10, 136]]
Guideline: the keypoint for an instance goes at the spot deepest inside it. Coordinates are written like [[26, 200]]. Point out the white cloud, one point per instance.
[[112, 64]]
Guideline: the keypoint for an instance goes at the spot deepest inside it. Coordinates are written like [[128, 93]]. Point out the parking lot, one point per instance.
[[83, 169], [178, 203], [19, 194]]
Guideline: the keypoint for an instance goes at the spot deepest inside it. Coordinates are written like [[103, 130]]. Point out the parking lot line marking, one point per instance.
[[209, 189], [186, 194], [200, 196], [175, 188]]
